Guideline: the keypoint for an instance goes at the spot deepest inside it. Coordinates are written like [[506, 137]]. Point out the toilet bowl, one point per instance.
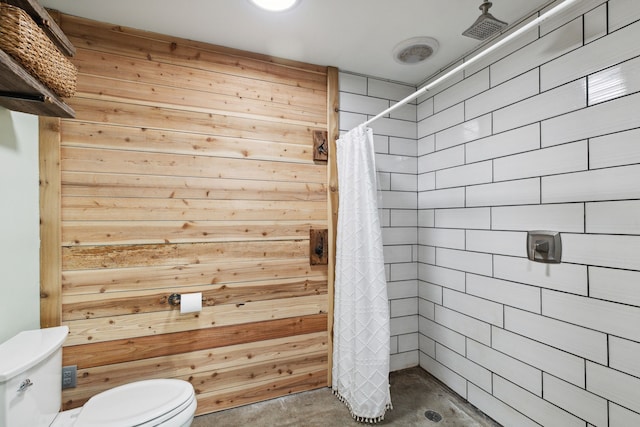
[[30, 391], [163, 402]]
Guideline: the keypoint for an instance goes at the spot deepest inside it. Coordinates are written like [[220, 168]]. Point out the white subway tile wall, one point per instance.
[[538, 409], [578, 401], [595, 23], [469, 327], [543, 134], [473, 372], [563, 154], [396, 147], [496, 409], [506, 367]]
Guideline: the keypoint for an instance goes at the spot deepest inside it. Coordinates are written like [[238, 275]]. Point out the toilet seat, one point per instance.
[[141, 403]]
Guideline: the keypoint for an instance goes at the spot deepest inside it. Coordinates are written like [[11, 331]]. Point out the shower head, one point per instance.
[[486, 25]]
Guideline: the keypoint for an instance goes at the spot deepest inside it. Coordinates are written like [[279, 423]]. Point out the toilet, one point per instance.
[[31, 382]]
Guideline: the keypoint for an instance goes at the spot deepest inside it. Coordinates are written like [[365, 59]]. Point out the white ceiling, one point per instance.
[[353, 35]]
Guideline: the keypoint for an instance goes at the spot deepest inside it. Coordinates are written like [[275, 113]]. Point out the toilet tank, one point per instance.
[[31, 377]]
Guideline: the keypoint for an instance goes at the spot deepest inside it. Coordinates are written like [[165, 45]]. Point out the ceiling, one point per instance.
[[353, 35]]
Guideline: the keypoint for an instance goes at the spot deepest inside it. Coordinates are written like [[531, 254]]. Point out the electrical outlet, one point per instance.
[[69, 374]]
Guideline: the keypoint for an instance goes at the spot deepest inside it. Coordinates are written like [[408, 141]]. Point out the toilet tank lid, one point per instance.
[[28, 348]]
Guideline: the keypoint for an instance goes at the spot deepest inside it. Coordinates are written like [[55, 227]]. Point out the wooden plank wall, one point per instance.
[[189, 169]]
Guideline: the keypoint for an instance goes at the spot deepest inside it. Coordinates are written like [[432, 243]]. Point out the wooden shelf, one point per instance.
[[28, 94], [19, 90]]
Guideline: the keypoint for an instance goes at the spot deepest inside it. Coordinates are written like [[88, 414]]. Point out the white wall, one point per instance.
[[544, 135], [396, 163], [19, 219]]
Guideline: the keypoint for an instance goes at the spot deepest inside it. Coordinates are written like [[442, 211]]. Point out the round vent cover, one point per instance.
[[415, 50]]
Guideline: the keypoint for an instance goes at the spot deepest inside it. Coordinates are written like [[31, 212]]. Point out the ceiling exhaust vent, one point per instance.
[[415, 50]]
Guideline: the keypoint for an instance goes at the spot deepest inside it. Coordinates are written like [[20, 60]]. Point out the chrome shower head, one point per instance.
[[486, 25]]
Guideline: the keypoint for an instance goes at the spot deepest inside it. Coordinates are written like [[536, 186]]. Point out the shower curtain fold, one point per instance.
[[361, 310]]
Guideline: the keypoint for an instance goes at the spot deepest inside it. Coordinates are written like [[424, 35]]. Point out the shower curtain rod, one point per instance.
[[465, 64]]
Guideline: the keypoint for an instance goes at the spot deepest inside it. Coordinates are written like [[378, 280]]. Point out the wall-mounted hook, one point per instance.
[[318, 247], [320, 145], [319, 250]]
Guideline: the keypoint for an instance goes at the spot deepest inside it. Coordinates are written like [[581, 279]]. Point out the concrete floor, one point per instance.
[[413, 392]]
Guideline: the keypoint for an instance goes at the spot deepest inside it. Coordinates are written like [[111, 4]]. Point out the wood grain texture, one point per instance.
[[200, 361], [192, 121], [114, 161], [178, 187], [257, 391], [100, 135], [189, 168], [160, 49], [90, 62], [50, 223], [145, 232], [205, 340], [213, 369], [133, 209], [178, 276], [129, 209], [180, 98], [90, 306], [146, 324], [124, 256], [333, 120]]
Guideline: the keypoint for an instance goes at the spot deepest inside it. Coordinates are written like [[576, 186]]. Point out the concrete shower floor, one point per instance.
[[413, 392]]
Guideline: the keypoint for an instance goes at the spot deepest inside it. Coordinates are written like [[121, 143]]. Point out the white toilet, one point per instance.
[[31, 381]]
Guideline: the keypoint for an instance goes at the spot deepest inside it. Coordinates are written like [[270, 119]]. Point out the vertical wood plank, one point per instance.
[[333, 128], [50, 226]]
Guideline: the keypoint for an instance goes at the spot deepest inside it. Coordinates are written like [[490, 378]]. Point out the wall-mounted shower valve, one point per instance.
[[544, 246]]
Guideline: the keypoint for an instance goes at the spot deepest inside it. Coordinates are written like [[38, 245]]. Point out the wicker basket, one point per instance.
[[21, 38]]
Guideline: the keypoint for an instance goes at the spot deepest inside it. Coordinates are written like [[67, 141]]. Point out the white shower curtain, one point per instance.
[[361, 311]]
